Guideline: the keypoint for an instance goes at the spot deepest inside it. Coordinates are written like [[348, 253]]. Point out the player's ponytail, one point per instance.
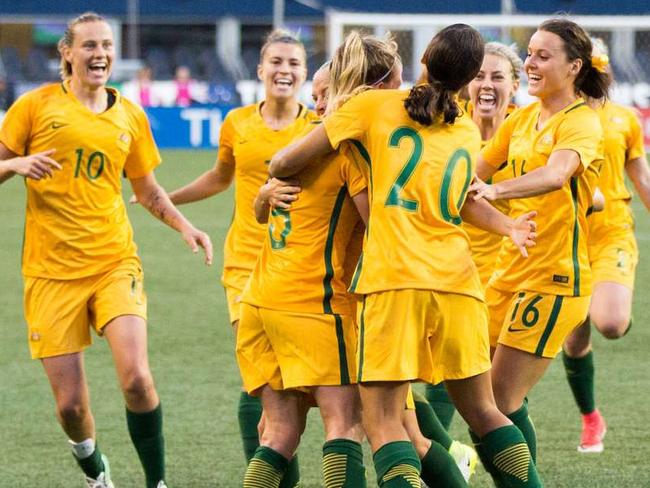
[[68, 39], [360, 63], [452, 59], [593, 79]]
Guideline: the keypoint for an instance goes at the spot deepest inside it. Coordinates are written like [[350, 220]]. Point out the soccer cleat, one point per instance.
[[104, 478], [465, 457], [594, 429], [161, 484]]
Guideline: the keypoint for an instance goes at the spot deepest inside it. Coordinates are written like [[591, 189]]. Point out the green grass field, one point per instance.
[[191, 350]]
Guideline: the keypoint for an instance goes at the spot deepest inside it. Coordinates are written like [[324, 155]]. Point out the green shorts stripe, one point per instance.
[[343, 357], [552, 319], [362, 330]]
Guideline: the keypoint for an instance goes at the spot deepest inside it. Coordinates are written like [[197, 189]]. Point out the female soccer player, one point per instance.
[[422, 317], [491, 93], [250, 135], [72, 141], [552, 147], [613, 254]]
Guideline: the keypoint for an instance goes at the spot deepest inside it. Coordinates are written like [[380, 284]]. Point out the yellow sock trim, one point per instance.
[[514, 460], [261, 474], [334, 466], [406, 471]]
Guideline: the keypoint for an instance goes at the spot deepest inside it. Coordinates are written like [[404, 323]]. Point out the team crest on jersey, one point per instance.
[[547, 140]]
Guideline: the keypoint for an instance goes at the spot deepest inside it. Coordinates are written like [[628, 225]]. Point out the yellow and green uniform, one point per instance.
[[486, 245], [535, 302], [416, 268], [296, 312], [248, 143], [76, 225], [613, 251]]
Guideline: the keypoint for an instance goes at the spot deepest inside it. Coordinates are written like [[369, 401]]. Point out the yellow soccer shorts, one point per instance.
[[233, 299], [410, 401], [613, 257], [59, 313], [234, 281], [294, 350], [407, 335], [534, 322]]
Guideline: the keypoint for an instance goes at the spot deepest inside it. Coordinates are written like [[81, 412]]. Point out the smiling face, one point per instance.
[[549, 70], [282, 70], [91, 53], [493, 87]]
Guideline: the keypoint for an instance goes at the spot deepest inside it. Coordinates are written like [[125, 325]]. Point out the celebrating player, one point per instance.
[[491, 93], [613, 253], [72, 141], [552, 147], [250, 135], [422, 317]]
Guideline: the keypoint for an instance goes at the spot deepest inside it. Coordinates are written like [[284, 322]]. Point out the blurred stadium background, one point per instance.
[[190, 342]]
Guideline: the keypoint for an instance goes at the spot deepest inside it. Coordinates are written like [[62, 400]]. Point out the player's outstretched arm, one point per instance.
[[522, 230], [276, 193], [639, 172], [560, 167], [297, 156], [213, 181], [35, 166], [154, 198]]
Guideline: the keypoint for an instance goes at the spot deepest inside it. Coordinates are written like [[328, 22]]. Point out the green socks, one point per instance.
[[439, 400], [580, 374], [343, 464], [291, 477], [90, 463], [440, 469], [429, 424], [522, 420], [146, 433], [265, 469], [506, 457], [397, 465], [249, 413]]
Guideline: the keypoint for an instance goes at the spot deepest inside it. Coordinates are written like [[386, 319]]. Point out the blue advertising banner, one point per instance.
[[187, 127]]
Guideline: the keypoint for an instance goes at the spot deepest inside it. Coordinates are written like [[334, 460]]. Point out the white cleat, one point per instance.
[[104, 478], [465, 457]]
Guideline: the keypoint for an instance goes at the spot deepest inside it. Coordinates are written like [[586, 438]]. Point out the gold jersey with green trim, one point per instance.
[[559, 263], [486, 245], [302, 262], [418, 179], [623, 142], [76, 223], [248, 143]]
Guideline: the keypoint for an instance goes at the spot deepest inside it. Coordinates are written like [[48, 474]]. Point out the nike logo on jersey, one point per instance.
[[57, 125], [510, 329]]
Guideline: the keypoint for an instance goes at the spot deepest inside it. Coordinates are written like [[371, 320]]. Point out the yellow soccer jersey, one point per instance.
[[248, 143], [559, 263], [623, 142], [418, 178], [302, 262], [76, 223]]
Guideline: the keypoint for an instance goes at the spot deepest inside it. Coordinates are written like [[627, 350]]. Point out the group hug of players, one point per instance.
[[394, 236]]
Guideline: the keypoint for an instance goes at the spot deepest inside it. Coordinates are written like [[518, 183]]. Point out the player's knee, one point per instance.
[[614, 327], [138, 384], [71, 411]]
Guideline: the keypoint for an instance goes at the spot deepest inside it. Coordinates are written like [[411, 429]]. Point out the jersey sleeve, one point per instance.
[[17, 125], [635, 143], [143, 153], [495, 152], [350, 121], [584, 135], [226, 141], [350, 174]]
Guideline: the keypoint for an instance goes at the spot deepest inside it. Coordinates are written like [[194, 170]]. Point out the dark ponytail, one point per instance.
[[452, 59], [591, 81]]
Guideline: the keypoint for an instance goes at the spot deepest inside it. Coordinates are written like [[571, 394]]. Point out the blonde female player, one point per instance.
[[491, 95], [553, 147], [72, 141], [416, 272], [250, 135], [613, 254]]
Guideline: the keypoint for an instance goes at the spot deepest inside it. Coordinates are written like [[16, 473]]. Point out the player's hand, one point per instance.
[[480, 189], [35, 166], [524, 232], [195, 239], [280, 193]]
